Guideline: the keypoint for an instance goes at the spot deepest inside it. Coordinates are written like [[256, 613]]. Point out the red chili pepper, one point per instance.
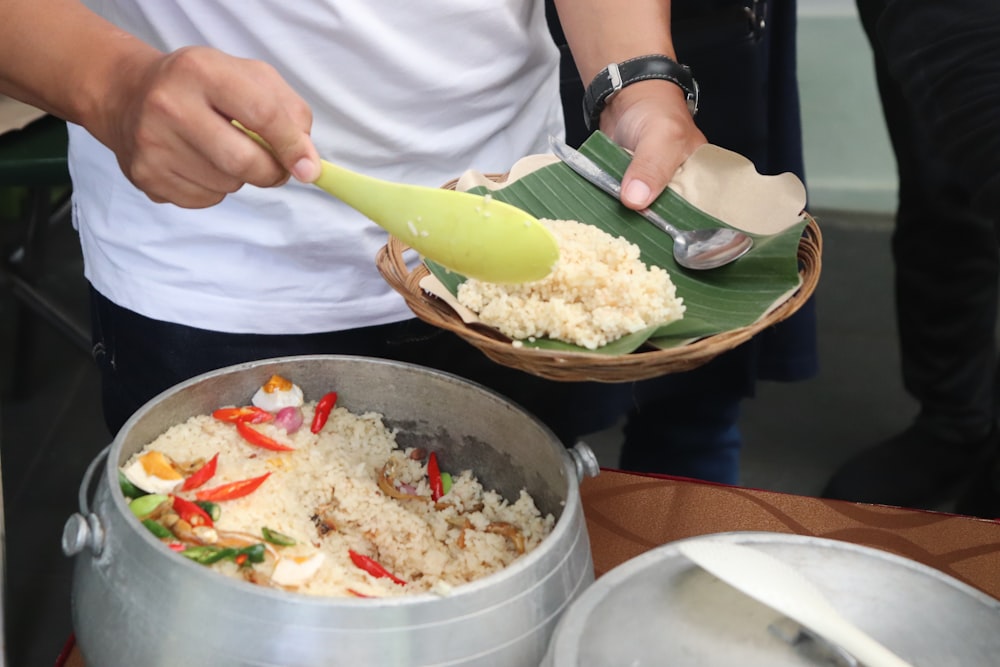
[[202, 475], [176, 546], [232, 490], [434, 477], [372, 567], [255, 437], [323, 407], [191, 513], [246, 413], [241, 559], [357, 594]]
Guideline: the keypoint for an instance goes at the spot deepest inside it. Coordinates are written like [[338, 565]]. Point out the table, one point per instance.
[[628, 514]]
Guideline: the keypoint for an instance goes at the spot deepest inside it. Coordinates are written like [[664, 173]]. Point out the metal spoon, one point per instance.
[[698, 249]]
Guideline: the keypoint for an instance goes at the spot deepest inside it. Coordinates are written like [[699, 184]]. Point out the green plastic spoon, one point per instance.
[[473, 235]]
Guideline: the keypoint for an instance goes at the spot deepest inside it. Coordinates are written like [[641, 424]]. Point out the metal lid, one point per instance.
[[660, 608]]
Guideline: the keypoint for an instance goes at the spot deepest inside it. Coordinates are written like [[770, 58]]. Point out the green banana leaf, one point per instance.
[[716, 301]]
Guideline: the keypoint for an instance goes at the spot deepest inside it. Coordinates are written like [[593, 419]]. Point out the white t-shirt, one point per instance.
[[413, 92]]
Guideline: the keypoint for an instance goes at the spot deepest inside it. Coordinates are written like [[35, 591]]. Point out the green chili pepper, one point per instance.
[[143, 505], [212, 509], [129, 490], [274, 537], [157, 529], [446, 482], [254, 553], [198, 554], [207, 555]]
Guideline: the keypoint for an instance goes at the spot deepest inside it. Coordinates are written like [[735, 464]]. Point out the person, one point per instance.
[[947, 269], [946, 58], [743, 54], [200, 248]]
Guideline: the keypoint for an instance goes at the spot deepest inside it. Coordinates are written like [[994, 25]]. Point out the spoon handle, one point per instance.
[[658, 220], [347, 186], [785, 589], [586, 167], [590, 171]]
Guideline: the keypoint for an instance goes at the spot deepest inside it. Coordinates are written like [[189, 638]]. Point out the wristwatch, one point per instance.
[[618, 75]]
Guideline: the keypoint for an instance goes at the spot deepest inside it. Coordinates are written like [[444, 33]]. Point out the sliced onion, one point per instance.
[[388, 486], [289, 418]]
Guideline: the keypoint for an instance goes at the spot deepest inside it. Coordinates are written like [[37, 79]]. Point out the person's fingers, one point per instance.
[[179, 128], [657, 153], [652, 120], [648, 175], [186, 180], [249, 91], [169, 166], [280, 117]]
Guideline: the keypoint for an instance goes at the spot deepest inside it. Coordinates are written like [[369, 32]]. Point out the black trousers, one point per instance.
[[140, 357], [947, 267]]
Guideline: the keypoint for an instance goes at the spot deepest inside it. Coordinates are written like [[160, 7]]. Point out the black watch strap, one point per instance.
[[616, 76]]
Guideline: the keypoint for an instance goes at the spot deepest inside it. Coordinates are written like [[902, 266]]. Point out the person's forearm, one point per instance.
[[650, 116], [166, 116], [600, 32], [64, 59]]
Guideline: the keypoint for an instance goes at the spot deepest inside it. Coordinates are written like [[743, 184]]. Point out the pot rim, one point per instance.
[[521, 565]]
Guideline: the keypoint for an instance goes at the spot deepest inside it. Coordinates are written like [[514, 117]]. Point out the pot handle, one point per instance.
[[584, 460], [83, 529]]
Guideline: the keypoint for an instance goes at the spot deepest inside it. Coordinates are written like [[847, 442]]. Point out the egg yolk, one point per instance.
[[156, 464], [277, 383]]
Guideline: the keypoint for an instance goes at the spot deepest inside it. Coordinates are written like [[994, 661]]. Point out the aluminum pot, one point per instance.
[[134, 603], [660, 608]]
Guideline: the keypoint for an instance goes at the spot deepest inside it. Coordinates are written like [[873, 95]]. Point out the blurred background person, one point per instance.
[[945, 251]]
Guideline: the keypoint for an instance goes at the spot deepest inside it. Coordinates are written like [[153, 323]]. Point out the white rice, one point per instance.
[[334, 474], [598, 291]]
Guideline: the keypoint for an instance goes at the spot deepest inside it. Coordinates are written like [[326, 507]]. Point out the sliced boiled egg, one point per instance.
[[278, 393], [153, 472], [297, 570]]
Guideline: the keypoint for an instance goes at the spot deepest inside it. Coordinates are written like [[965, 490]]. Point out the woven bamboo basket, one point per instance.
[[646, 362]]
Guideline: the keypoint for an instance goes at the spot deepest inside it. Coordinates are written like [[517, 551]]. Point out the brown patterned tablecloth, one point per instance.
[[628, 514]]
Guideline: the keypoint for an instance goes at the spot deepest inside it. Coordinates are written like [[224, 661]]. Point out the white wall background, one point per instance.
[[849, 161]]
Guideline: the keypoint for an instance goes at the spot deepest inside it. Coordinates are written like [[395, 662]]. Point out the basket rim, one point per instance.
[[645, 363]]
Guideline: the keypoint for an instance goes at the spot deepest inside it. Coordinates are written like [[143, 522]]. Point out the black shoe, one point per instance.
[[912, 469], [982, 498]]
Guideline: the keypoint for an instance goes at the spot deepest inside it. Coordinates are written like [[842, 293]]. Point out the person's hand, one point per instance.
[[169, 125], [651, 119]]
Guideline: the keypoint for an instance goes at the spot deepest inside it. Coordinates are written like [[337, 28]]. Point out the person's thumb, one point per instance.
[[298, 155], [646, 177], [306, 168]]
